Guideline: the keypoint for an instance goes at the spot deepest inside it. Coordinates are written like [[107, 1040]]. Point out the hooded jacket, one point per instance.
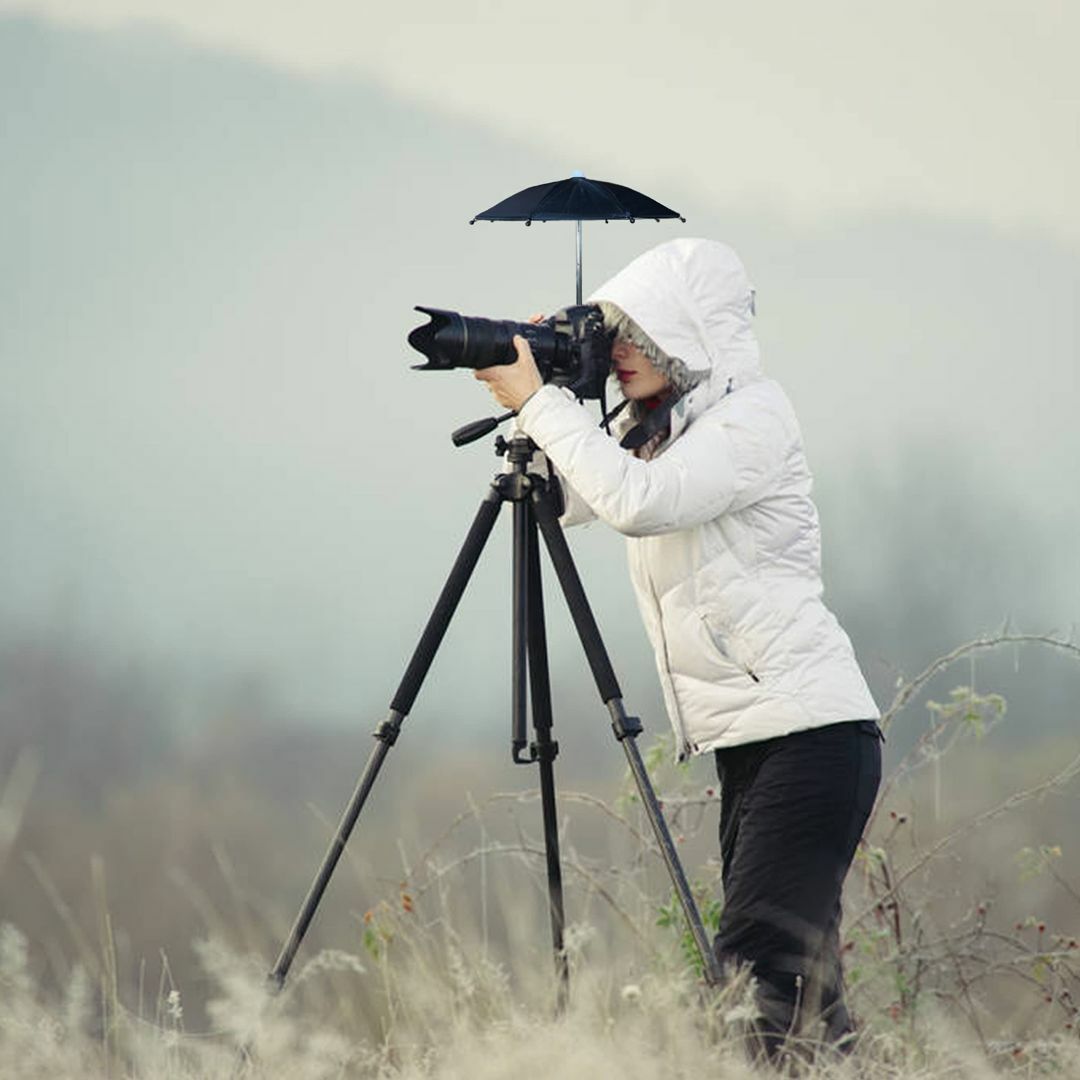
[[723, 538]]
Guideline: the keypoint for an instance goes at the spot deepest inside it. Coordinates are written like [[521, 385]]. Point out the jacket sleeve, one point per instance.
[[728, 458], [576, 511]]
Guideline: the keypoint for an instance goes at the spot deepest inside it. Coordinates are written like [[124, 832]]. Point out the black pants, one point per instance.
[[792, 811]]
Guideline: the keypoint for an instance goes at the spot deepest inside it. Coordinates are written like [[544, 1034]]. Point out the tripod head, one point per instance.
[[518, 450]]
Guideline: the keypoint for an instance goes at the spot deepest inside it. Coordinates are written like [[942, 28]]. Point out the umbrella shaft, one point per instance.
[[579, 261]]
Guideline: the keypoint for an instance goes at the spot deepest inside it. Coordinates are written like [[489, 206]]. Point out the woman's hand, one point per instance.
[[513, 384]]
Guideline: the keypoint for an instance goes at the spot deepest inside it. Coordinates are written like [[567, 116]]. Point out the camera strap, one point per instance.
[[656, 420], [605, 423]]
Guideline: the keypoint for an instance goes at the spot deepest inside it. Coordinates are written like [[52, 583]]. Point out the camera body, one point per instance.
[[572, 348]]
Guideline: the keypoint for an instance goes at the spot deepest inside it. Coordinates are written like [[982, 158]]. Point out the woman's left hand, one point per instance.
[[513, 384]]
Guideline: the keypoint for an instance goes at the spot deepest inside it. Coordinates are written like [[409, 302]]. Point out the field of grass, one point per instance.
[[143, 900]]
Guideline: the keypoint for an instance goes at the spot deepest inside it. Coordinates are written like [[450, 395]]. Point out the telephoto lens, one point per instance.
[[451, 340], [572, 348]]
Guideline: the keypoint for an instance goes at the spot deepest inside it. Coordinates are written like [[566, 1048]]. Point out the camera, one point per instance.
[[572, 348]]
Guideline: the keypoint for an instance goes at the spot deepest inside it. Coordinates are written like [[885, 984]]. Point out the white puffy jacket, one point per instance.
[[722, 535]]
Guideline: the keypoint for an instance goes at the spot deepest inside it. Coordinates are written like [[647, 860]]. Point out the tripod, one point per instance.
[[534, 510]]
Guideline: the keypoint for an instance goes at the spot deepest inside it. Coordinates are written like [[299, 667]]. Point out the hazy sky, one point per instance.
[[967, 109]]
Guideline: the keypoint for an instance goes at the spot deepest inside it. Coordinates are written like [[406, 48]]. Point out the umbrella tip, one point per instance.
[[578, 172]]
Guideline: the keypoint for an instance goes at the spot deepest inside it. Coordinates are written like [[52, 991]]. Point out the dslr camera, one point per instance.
[[571, 348]]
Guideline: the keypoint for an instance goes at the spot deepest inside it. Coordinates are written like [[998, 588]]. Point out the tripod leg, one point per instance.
[[544, 752], [626, 728], [519, 633], [390, 728]]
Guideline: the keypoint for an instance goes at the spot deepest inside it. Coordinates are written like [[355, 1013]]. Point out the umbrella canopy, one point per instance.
[[577, 199]]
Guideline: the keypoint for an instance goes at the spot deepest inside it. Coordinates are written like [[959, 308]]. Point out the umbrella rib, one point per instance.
[[607, 193], [615, 199], [550, 196]]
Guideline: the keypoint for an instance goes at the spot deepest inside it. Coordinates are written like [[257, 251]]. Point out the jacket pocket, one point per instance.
[[728, 647]]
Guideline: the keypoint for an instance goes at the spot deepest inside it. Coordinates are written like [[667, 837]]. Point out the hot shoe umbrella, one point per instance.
[[577, 199]]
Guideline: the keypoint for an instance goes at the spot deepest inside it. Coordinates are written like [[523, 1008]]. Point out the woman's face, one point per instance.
[[638, 378]]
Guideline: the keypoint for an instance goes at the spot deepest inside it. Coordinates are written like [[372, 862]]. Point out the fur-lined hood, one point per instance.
[[689, 306]]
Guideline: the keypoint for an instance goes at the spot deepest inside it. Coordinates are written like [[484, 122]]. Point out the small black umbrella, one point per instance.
[[577, 199]]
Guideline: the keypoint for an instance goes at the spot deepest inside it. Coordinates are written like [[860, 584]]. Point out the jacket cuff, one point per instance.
[[546, 399]]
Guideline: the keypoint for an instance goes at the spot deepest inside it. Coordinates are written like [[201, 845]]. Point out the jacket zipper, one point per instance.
[[684, 749]]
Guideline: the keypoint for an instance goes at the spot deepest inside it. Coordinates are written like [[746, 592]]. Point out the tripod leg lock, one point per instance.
[[624, 726], [389, 730], [548, 750], [544, 751]]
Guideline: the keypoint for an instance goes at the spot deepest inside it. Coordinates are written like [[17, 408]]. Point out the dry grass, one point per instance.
[[961, 936], [449, 1013]]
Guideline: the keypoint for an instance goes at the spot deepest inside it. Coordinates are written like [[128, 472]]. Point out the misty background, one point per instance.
[[228, 504], [217, 461]]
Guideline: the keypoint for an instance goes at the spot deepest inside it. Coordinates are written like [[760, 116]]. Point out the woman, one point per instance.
[[710, 484]]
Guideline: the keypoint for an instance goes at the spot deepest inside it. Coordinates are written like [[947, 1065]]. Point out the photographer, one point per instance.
[[711, 487]]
